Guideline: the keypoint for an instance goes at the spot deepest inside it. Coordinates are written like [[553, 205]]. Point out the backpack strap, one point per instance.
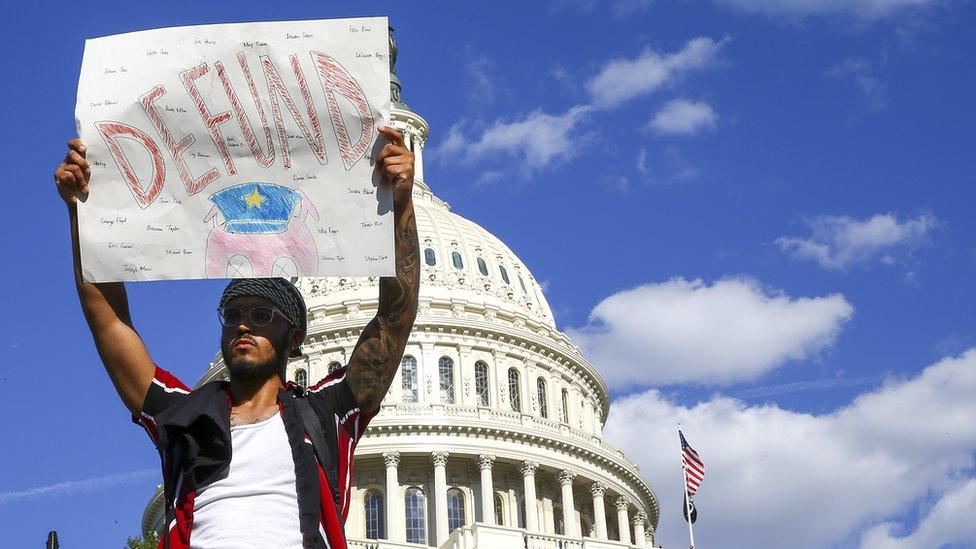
[[313, 428]]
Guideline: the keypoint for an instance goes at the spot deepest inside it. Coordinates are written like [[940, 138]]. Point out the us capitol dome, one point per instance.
[[490, 436]]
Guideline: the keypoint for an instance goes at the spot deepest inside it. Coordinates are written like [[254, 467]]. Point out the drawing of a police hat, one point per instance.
[[256, 208]]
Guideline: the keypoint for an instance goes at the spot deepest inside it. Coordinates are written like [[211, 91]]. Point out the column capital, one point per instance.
[[622, 503], [439, 458], [639, 518], [528, 468], [391, 459], [597, 489], [485, 461], [566, 477]]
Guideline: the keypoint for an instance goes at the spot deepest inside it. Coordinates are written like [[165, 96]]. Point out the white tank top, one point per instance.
[[256, 505]]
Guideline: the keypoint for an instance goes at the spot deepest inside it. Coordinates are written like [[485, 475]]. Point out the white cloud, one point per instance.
[[82, 486], [642, 161], [868, 9], [623, 79], [840, 241], [779, 478], [950, 521], [683, 331], [860, 73], [537, 140], [484, 88], [683, 117]]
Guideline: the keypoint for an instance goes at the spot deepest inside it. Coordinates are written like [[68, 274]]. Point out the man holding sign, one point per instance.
[[255, 462]]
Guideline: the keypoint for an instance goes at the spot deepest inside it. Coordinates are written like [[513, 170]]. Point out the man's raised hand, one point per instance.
[[71, 177], [395, 163]]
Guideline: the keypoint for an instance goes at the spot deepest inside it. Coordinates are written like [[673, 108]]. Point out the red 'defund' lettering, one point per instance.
[[276, 89], [193, 186], [213, 123], [111, 132], [336, 79], [264, 160]]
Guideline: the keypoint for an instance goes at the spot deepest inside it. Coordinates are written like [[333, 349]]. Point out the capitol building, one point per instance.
[[491, 435]]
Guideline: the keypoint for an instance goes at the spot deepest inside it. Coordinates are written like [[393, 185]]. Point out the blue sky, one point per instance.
[[754, 216]]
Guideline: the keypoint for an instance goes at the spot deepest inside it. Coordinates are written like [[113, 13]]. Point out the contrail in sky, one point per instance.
[[78, 486]]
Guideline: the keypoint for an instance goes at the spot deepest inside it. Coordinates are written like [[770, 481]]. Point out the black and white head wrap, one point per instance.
[[279, 291]]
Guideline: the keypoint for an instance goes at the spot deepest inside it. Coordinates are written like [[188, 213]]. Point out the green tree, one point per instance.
[[146, 542]]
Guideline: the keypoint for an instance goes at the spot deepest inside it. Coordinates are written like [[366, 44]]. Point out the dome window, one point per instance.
[[514, 390], [408, 370], [445, 369], [499, 510], [373, 513], [482, 267], [501, 269], [301, 377], [430, 257], [455, 509], [522, 284], [565, 406], [540, 387], [415, 510], [334, 365], [481, 382], [456, 259]]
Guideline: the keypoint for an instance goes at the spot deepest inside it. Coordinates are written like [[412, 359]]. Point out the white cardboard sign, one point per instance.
[[235, 150]]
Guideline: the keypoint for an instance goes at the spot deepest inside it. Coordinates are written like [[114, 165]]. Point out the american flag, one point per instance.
[[693, 466]]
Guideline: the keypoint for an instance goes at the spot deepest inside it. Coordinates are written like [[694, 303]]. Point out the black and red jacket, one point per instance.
[[191, 431]]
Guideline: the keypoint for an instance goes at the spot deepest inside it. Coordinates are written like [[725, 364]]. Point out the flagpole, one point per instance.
[[684, 474]]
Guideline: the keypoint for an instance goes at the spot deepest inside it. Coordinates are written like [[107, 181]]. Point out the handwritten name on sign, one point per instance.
[[228, 151]]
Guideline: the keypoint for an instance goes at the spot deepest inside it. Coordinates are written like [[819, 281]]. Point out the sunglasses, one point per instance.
[[261, 315]]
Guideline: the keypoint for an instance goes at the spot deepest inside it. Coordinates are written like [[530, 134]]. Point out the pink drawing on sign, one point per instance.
[[289, 252]]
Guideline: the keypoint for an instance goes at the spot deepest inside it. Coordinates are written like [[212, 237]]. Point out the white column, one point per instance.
[[639, 538], [569, 509], [547, 522], [528, 469], [427, 380], [599, 510], [418, 160], [485, 462], [440, 495], [623, 525], [393, 514]]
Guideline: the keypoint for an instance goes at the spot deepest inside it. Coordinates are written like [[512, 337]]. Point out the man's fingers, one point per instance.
[[77, 145], [63, 176], [77, 159], [81, 182], [392, 134]]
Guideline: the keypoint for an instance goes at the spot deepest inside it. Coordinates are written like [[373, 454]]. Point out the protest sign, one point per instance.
[[236, 150]]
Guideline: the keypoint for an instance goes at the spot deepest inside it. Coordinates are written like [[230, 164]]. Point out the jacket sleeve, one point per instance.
[[164, 391]]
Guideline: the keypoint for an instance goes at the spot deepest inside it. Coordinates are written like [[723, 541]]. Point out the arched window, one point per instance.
[[514, 390], [373, 513], [482, 267], [540, 390], [334, 365], [408, 371], [499, 510], [445, 370], [481, 382], [456, 259], [565, 399], [501, 269], [455, 509], [522, 284], [430, 257], [415, 512], [301, 377]]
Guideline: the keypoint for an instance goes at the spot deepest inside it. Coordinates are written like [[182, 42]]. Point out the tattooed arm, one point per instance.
[[377, 355]]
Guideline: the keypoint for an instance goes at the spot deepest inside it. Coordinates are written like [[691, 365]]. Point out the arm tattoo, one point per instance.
[[377, 355]]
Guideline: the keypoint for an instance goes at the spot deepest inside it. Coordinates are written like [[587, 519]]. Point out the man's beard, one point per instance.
[[244, 368]]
